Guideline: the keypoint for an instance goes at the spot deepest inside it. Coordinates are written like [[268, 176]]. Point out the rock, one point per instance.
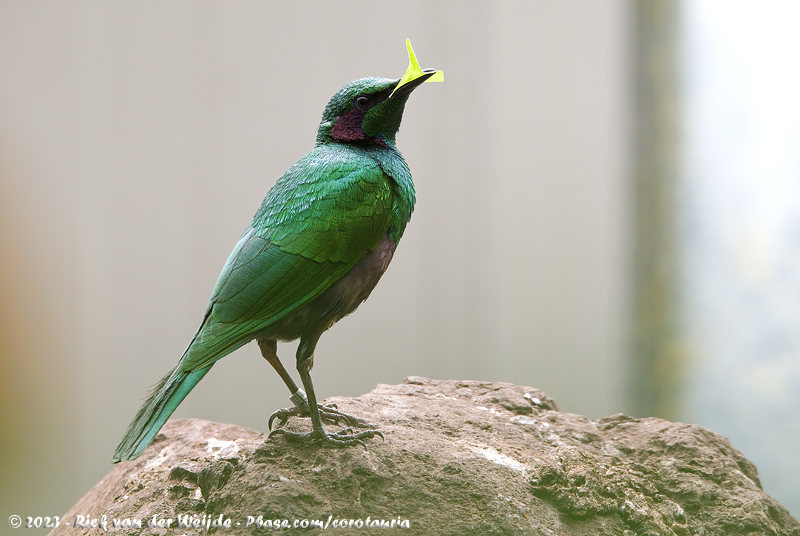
[[460, 457]]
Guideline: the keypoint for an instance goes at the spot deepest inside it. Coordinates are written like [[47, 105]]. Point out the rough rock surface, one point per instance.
[[460, 457]]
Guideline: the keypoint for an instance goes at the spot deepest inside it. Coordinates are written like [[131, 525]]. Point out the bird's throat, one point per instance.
[[348, 127]]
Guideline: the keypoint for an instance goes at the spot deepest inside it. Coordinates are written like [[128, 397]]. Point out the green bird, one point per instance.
[[322, 238]]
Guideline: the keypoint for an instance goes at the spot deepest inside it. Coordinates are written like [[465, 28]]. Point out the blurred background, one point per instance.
[[608, 210]]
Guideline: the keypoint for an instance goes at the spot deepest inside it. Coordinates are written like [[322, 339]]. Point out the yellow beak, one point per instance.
[[414, 73]]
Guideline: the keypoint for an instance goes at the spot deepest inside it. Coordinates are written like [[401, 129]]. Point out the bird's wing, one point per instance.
[[316, 223]]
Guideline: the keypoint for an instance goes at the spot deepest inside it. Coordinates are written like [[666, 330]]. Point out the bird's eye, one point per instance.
[[363, 102]]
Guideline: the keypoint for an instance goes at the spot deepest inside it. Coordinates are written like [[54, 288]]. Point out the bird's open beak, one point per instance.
[[414, 75]]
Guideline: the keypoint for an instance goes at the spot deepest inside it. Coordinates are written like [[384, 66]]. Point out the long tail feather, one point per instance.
[[162, 401]]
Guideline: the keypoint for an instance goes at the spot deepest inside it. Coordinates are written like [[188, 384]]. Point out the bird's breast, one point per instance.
[[346, 294], [340, 299]]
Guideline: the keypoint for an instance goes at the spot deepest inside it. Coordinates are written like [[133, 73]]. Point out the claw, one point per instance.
[[281, 414], [338, 439], [329, 413]]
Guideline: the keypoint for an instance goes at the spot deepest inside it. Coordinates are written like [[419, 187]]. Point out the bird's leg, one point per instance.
[[305, 360], [329, 413], [269, 350]]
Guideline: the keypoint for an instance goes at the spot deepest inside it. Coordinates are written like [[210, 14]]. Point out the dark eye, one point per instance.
[[363, 102]]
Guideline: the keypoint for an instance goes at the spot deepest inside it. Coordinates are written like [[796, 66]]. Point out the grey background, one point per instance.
[[137, 140]]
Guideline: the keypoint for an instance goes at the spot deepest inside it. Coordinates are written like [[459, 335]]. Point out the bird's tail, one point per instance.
[[162, 401]]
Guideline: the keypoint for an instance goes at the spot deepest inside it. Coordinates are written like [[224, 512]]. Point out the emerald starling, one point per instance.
[[322, 238]]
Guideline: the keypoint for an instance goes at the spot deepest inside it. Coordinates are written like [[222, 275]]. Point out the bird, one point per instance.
[[316, 247]]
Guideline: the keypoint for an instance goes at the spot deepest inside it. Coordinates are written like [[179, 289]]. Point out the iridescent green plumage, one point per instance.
[[316, 247], [317, 222]]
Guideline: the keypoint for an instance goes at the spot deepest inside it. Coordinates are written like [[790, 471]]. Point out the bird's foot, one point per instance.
[[342, 438], [329, 413]]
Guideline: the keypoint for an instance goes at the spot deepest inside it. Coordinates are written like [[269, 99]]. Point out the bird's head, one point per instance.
[[369, 110]]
